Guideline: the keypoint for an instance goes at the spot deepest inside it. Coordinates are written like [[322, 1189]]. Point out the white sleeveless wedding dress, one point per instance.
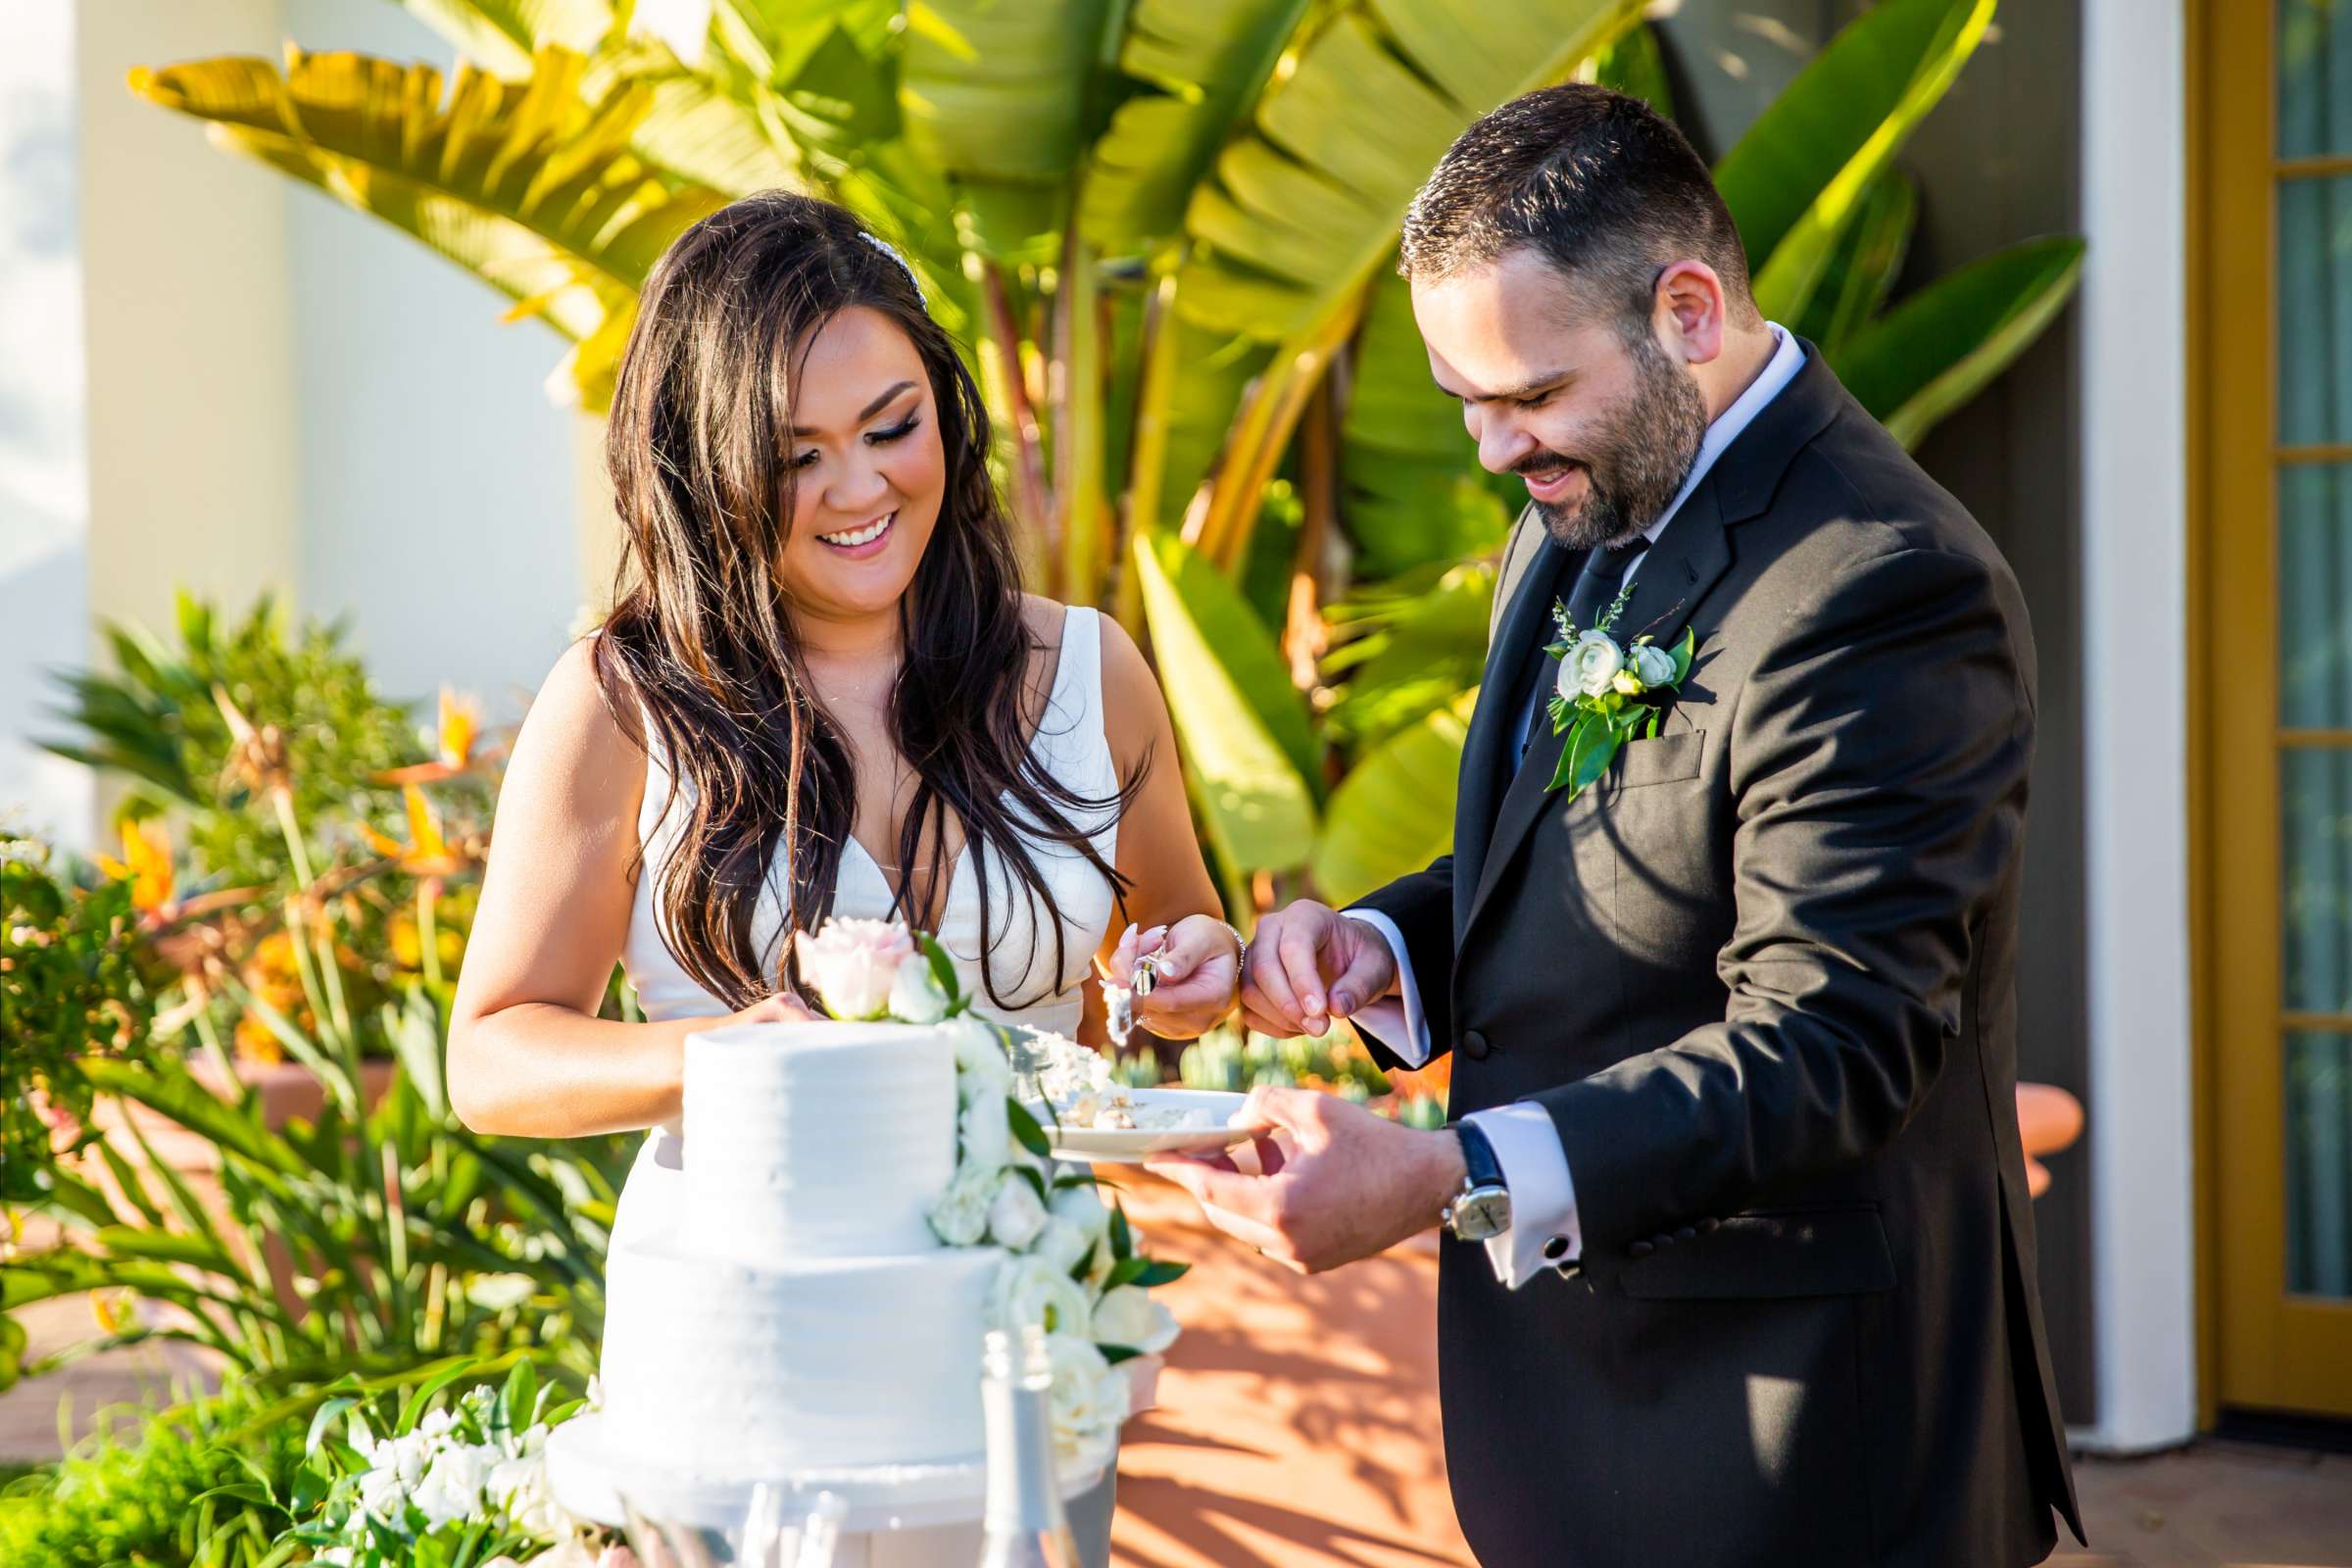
[[1071, 747]]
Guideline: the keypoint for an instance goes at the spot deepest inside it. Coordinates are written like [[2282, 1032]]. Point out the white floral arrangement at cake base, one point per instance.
[[1077, 1267], [463, 1481]]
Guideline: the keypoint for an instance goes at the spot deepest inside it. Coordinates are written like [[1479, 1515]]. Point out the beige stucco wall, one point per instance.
[[192, 367]]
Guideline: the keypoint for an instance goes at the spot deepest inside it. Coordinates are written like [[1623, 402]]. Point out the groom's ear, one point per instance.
[[1689, 304]]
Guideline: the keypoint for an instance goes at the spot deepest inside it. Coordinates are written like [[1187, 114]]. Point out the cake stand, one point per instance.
[[897, 1515]]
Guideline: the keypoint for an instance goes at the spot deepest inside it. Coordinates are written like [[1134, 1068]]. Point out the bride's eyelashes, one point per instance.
[[879, 438]]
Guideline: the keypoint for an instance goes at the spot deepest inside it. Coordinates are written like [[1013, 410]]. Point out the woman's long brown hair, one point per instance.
[[702, 630]]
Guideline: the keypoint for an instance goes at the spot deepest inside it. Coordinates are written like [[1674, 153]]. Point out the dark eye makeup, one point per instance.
[[897, 432]]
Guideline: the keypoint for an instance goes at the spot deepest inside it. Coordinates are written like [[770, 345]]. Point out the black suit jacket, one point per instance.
[[1762, 978]]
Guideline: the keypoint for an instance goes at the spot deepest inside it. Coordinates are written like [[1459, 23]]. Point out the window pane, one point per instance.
[[2315, 311], [2314, 596], [2315, 849], [2315, 77], [2319, 1165]]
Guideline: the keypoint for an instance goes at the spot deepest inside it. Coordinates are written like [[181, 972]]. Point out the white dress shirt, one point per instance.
[[1526, 1144]]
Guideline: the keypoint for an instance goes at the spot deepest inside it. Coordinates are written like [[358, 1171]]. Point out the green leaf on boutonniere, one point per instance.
[[1683, 652]]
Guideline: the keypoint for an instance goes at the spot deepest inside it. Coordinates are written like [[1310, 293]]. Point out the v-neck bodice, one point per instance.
[[1070, 746]]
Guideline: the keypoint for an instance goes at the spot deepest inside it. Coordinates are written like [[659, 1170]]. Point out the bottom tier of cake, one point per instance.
[[731, 1369]]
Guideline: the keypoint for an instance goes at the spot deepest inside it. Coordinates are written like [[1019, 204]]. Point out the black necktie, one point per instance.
[[1597, 587]]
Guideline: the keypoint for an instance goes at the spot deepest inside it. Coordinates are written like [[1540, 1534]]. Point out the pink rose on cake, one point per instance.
[[853, 964]]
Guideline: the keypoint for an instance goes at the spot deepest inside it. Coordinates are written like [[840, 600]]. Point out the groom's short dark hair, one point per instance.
[[1602, 185]]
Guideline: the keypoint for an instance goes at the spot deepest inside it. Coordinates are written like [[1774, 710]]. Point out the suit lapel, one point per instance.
[[1687, 559], [1488, 749]]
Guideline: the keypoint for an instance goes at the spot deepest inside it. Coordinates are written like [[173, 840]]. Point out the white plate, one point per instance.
[[1132, 1146]]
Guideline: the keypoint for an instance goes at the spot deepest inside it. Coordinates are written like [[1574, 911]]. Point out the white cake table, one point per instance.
[[898, 1516]]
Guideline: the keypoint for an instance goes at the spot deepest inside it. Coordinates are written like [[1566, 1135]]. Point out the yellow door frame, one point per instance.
[[2259, 1347]]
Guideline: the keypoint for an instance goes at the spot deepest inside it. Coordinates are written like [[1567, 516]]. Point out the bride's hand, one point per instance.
[[773, 1009], [1198, 977]]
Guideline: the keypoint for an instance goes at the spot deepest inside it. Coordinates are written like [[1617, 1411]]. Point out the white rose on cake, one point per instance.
[[1016, 1218], [981, 1070], [1030, 1289], [1090, 1395], [915, 996], [960, 1215], [854, 963], [1129, 1316], [1083, 1208], [1062, 1245], [987, 1134]]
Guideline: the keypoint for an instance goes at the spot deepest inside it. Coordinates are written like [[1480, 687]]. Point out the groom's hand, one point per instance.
[[1309, 964], [1349, 1184]]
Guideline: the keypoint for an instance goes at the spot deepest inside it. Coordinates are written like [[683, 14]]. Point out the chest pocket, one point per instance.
[[1663, 759]]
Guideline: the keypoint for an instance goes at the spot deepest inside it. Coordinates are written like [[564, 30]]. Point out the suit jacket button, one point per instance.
[[1640, 1249], [1476, 1045]]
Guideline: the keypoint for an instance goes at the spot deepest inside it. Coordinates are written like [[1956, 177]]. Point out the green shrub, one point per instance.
[[133, 1492]]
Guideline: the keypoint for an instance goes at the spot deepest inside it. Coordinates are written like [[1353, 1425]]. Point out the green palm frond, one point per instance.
[[528, 184]]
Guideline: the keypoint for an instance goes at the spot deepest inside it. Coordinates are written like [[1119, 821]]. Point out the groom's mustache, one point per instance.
[[1543, 463]]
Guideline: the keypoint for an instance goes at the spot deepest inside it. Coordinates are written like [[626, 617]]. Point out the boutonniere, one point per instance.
[[1608, 692]]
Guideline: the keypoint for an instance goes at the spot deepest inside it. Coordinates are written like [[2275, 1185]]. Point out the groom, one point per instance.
[[1734, 1028]]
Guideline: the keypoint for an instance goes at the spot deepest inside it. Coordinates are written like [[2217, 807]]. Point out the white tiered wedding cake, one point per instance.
[[804, 1316]]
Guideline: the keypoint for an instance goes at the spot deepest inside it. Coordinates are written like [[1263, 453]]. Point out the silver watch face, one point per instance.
[[1481, 1213]]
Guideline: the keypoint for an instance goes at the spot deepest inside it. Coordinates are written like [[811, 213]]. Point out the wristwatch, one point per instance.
[[1482, 1210]]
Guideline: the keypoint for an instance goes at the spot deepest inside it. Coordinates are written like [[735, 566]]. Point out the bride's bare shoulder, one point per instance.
[[572, 744]]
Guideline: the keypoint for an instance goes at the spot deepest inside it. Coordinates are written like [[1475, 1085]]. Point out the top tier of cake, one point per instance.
[[817, 1140]]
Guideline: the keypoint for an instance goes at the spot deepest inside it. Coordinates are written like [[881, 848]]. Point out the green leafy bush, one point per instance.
[[142, 1499]]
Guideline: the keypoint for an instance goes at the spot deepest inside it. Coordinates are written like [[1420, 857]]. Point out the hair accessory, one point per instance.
[[891, 251]]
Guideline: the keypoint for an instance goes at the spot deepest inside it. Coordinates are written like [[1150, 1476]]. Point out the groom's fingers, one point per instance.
[[1275, 1002], [1243, 1197], [1370, 968]]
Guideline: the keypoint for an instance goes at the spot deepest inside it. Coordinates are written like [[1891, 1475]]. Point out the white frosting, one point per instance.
[[817, 1140], [803, 1315], [760, 1372]]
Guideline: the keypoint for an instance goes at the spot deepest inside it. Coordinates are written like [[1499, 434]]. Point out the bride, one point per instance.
[[822, 692]]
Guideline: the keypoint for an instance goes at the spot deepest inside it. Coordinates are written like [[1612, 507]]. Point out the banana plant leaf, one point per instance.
[[1412, 491], [1393, 812], [1206, 60], [528, 185], [1633, 65], [503, 35], [1405, 646], [1863, 268], [1301, 207], [1798, 178], [1001, 97], [1940, 347], [1243, 726]]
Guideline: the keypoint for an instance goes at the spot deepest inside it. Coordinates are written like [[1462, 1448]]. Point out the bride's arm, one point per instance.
[[1169, 885], [527, 1054]]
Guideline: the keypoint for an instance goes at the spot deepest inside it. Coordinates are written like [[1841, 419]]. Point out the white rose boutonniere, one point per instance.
[[1608, 692]]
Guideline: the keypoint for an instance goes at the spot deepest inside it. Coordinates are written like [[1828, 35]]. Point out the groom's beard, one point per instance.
[[1636, 459]]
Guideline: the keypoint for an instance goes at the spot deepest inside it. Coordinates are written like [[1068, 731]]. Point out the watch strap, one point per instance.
[[1478, 1155]]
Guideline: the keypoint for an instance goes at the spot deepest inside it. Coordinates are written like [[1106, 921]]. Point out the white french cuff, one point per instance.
[[1543, 1231], [1397, 1020]]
